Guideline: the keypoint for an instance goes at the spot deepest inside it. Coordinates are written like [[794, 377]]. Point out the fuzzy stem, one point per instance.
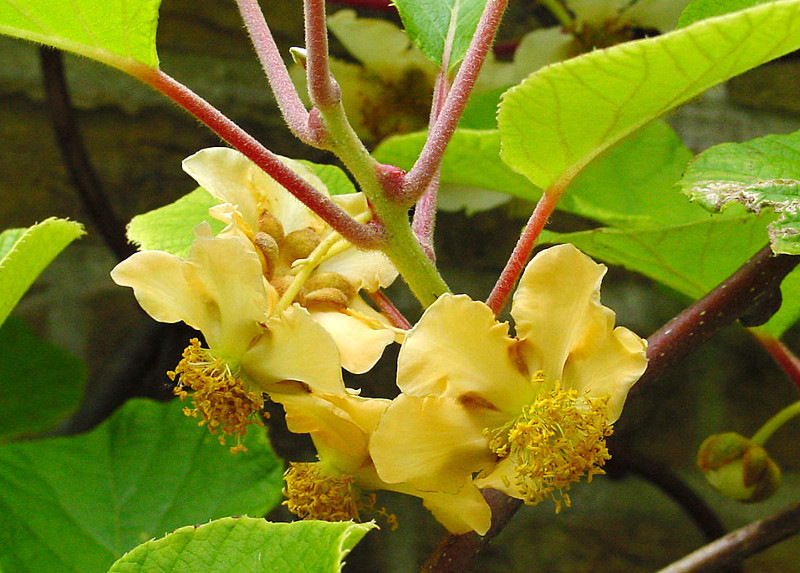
[[322, 88], [289, 103], [780, 353], [424, 222], [365, 236], [522, 251], [401, 246], [389, 310], [424, 169]]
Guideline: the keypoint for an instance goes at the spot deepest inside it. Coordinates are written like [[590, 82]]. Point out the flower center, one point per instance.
[[553, 442], [290, 264], [218, 396], [314, 494]]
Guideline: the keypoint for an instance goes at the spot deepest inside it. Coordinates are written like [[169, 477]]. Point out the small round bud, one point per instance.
[[283, 283], [738, 468], [328, 279], [269, 249], [299, 244], [270, 224], [327, 295]]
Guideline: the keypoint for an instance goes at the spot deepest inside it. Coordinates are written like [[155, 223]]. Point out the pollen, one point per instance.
[[314, 494], [554, 442], [218, 396]]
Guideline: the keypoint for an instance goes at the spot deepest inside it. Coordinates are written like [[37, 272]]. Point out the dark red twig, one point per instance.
[[76, 159]]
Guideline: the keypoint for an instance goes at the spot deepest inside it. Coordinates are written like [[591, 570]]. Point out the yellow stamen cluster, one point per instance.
[[314, 494], [218, 396], [553, 442]]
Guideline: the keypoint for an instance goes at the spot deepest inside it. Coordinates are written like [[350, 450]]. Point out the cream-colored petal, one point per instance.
[[339, 440], [295, 347], [596, 12], [610, 364], [365, 270], [557, 307], [360, 343], [432, 443], [461, 512], [458, 348], [501, 478], [233, 178], [360, 36], [218, 289], [659, 14], [230, 177]]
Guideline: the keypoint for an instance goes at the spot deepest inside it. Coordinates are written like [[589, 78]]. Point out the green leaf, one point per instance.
[[470, 161], [247, 545], [77, 504], [701, 9], [562, 117], [24, 254], [171, 228], [692, 258], [631, 184], [434, 25], [336, 180], [762, 173], [115, 32], [40, 384]]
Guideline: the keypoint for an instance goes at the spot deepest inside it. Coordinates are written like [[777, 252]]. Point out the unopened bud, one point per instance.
[[738, 468], [329, 279], [269, 249], [299, 244], [283, 283], [270, 224], [299, 55], [327, 295]]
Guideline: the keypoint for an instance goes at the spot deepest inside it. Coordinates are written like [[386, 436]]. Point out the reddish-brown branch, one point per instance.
[[365, 236], [731, 299], [781, 354], [522, 251], [739, 544]]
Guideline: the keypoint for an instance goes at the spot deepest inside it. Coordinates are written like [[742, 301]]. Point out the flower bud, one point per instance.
[[738, 468], [299, 244]]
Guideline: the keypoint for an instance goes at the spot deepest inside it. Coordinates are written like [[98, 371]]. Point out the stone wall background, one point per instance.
[[137, 139]]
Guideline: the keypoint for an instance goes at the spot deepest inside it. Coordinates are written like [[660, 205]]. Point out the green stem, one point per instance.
[[561, 14], [774, 423], [402, 246]]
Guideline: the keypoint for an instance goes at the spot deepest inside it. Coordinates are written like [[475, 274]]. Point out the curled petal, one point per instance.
[[295, 347], [232, 178], [218, 289], [431, 443], [557, 308], [458, 348], [360, 342], [462, 512]]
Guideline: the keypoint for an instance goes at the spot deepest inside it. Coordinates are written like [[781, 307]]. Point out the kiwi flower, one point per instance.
[[336, 487], [219, 290], [529, 413], [302, 258]]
